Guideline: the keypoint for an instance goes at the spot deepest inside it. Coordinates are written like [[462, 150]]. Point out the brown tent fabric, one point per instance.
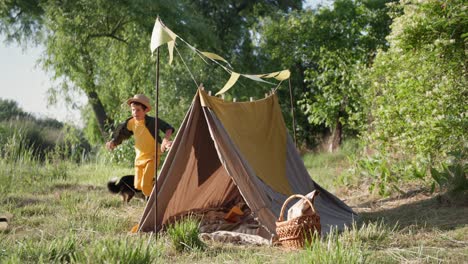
[[205, 168]]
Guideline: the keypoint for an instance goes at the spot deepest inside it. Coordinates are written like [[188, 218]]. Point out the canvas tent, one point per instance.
[[226, 149]]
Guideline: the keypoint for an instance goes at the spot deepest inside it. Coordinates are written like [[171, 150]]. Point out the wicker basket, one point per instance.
[[293, 233]]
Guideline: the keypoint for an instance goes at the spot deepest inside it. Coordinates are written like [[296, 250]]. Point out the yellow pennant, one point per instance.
[[283, 75], [170, 47], [255, 78], [213, 56], [230, 83], [280, 76]]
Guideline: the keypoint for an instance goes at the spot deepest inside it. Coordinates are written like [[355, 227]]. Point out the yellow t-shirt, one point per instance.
[[144, 141]]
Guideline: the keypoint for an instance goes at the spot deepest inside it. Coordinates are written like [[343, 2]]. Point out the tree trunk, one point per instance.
[[104, 122], [335, 139], [301, 69]]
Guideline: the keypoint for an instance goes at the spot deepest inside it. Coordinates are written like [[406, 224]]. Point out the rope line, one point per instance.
[[204, 58], [191, 74]]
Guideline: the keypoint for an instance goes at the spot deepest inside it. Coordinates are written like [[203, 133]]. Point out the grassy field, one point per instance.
[[62, 212]]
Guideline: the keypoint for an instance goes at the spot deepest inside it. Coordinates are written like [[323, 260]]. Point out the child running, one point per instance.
[[142, 127]]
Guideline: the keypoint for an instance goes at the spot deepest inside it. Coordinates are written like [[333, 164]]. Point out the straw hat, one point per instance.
[[140, 98]]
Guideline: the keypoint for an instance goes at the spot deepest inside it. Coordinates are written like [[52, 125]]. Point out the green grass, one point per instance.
[[63, 213], [330, 169], [184, 235]]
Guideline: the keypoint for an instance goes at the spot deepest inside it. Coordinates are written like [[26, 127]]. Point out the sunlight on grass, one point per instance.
[[329, 169]]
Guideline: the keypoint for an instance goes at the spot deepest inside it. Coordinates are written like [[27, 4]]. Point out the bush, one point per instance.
[[417, 95], [20, 139]]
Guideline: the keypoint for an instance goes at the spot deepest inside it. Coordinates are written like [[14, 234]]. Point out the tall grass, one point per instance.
[[184, 235], [73, 248], [16, 148], [31, 138], [353, 245]]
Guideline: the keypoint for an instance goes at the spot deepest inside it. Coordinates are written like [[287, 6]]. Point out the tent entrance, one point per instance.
[[203, 181]]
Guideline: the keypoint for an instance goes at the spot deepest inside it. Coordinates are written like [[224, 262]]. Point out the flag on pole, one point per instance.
[[162, 35]]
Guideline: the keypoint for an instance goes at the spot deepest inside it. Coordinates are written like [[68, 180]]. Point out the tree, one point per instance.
[[101, 47], [418, 99], [327, 47], [9, 109]]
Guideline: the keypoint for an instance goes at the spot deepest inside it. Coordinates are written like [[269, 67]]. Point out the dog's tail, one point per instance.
[[113, 186]]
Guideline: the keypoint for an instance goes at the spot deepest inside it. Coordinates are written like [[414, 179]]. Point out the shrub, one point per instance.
[[20, 139], [417, 91]]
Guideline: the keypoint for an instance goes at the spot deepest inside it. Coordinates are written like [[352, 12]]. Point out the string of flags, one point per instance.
[[163, 35]]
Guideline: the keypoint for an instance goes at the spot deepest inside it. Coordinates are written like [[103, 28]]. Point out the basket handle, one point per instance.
[[314, 194]]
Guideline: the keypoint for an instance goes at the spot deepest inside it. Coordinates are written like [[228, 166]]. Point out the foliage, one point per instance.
[[385, 175], [329, 47], [417, 100], [21, 20], [124, 154], [100, 48], [184, 235], [9, 109]]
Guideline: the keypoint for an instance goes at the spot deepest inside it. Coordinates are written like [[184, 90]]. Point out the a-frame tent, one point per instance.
[[226, 149]]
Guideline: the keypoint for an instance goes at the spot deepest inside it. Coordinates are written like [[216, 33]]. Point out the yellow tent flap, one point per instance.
[[258, 130]]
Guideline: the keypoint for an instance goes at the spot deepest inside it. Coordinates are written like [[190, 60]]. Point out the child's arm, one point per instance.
[[120, 134], [166, 142]]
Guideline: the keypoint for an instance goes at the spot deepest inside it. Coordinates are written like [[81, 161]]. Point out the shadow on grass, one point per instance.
[[441, 212]]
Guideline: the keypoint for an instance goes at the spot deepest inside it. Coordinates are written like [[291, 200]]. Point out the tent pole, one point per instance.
[[156, 145], [292, 112]]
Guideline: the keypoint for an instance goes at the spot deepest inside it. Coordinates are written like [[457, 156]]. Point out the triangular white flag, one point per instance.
[[160, 36]]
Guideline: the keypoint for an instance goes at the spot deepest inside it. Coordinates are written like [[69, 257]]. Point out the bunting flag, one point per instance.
[[214, 56], [280, 76], [162, 35], [255, 78], [230, 83]]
